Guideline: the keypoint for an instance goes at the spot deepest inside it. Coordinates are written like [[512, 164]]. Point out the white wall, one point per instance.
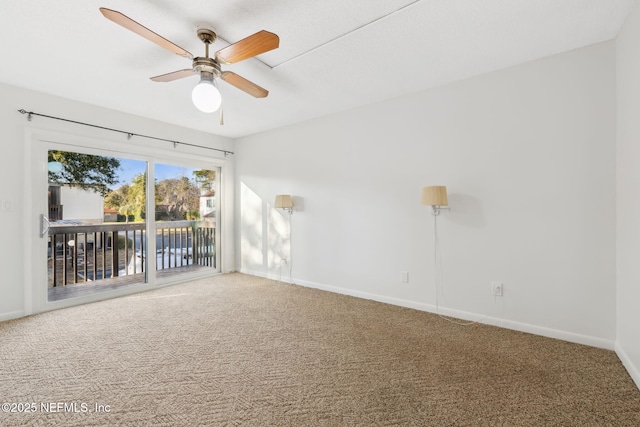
[[628, 186], [528, 156], [14, 202]]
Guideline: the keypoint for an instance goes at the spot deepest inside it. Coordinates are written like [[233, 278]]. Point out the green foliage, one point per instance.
[[129, 199], [116, 198], [128, 211], [122, 240], [192, 215], [86, 171], [136, 197], [204, 179], [175, 198]]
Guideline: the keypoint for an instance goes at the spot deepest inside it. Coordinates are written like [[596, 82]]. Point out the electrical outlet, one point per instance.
[[404, 277], [496, 289], [6, 205]]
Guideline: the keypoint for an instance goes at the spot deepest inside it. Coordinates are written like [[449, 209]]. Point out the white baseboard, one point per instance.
[[507, 324], [11, 315], [273, 276], [634, 371], [559, 334]]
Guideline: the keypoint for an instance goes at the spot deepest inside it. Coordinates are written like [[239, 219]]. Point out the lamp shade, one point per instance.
[[435, 196], [284, 201]]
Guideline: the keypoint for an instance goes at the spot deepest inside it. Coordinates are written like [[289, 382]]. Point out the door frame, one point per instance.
[[37, 144]]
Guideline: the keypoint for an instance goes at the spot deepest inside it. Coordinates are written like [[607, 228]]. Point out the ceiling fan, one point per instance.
[[205, 95]]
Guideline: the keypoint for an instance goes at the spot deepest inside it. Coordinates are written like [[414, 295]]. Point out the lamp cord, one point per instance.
[[290, 261], [439, 279], [290, 246]]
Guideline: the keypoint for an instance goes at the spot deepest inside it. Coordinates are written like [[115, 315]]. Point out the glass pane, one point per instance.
[[185, 219], [97, 215]]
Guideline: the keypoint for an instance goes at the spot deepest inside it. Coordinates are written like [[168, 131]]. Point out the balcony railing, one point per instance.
[[89, 253], [56, 212]]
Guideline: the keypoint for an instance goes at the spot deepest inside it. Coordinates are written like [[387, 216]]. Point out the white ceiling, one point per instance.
[[334, 54]]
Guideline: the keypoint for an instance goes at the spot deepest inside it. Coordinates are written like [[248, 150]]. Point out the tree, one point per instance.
[[129, 199], [175, 199], [205, 179], [116, 198], [136, 196], [178, 196], [127, 210], [86, 171], [192, 215]]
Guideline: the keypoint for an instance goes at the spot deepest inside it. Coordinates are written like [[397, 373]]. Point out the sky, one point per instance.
[[130, 168]]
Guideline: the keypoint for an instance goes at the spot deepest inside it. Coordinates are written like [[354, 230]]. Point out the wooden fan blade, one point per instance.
[[261, 42], [169, 77], [243, 84], [143, 31]]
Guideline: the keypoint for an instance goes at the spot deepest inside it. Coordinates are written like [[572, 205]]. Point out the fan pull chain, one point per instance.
[[221, 116]]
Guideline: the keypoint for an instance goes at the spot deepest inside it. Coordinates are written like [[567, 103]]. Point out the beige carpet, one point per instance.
[[240, 350]]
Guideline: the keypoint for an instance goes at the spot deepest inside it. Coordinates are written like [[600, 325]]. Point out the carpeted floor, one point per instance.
[[241, 350]]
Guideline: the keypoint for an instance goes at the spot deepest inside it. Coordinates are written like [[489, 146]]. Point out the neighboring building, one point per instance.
[[110, 215], [55, 204], [74, 203], [208, 205]]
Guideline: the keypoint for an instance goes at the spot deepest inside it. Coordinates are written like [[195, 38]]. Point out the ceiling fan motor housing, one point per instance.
[[207, 65]]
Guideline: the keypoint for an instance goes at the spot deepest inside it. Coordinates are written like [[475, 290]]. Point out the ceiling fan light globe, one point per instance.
[[206, 97]]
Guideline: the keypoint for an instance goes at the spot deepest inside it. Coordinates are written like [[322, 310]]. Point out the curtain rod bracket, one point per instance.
[[28, 113]]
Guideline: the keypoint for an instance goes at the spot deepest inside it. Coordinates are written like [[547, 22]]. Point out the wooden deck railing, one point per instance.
[[83, 253], [56, 212]]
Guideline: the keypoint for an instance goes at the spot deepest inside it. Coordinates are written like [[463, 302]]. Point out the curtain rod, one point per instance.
[[129, 134]]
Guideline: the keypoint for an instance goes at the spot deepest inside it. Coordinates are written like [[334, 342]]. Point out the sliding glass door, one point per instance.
[[108, 220]]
